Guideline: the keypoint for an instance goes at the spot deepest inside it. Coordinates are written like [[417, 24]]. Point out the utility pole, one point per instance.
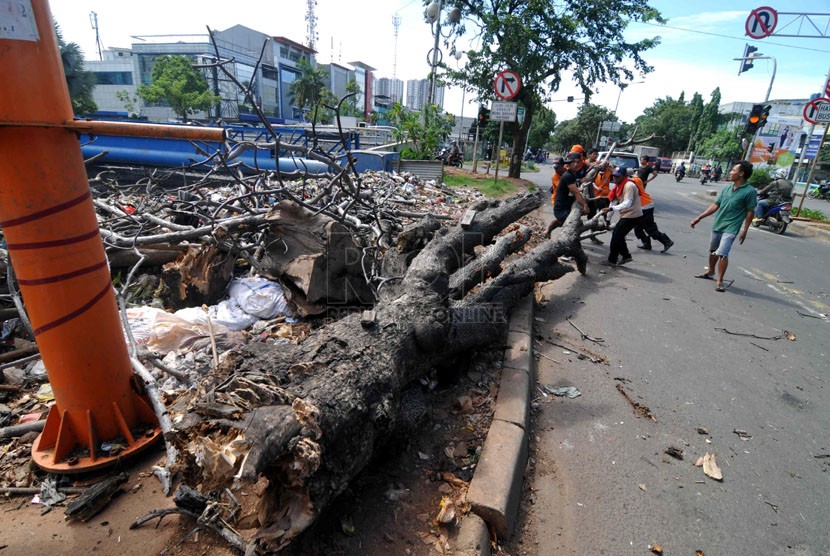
[[93, 20]]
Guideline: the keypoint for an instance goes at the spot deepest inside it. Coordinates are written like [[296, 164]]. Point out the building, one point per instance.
[[417, 94], [123, 70], [390, 88]]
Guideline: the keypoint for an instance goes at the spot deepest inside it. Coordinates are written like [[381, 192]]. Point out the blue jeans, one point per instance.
[[720, 243], [762, 207]]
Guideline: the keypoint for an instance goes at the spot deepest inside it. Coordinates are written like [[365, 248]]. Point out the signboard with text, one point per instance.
[[501, 111]]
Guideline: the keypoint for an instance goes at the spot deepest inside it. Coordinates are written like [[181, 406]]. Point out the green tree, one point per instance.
[[545, 41], [130, 102], [425, 130], [583, 129], [541, 128], [709, 119], [670, 121], [81, 83], [723, 145], [309, 88], [697, 113], [178, 84], [350, 106]]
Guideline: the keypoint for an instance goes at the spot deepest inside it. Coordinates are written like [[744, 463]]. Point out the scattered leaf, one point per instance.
[[642, 487], [699, 553], [675, 452], [710, 467], [447, 514], [789, 335], [655, 548], [464, 404], [699, 461], [742, 434], [702, 430]]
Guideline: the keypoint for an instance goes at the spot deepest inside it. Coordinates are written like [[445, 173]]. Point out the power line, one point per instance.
[[742, 39]]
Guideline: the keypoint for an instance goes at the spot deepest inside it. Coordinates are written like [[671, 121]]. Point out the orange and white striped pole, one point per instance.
[[48, 218]]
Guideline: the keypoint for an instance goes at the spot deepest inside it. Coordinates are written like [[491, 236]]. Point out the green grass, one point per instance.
[[485, 185], [813, 215]]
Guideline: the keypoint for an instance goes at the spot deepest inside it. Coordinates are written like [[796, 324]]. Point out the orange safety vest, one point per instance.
[[554, 182], [602, 183], [645, 198]]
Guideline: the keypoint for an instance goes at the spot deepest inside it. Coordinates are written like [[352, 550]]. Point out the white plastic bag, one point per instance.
[[259, 297]]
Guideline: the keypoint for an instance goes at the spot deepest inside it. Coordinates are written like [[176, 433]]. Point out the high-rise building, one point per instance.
[[392, 88], [417, 94]]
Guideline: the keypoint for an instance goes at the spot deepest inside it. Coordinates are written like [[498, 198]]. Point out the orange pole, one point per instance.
[[132, 129], [48, 218]]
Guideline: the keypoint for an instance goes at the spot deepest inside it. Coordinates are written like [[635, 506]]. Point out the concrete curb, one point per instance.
[[496, 488], [801, 228]]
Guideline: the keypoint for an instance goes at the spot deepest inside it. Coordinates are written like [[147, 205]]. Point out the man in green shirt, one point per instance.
[[734, 205]]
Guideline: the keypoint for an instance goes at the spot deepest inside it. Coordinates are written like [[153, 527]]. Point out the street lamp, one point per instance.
[[435, 56]]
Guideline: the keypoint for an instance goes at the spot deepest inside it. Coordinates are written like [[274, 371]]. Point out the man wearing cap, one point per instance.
[[625, 199], [566, 193]]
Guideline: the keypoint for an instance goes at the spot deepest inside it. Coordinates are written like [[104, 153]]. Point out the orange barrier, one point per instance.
[[48, 218]]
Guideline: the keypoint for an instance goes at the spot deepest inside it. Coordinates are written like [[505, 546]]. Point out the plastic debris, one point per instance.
[[44, 393], [447, 514], [569, 391]]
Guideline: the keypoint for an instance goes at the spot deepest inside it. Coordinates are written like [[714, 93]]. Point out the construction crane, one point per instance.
[[311, 25]]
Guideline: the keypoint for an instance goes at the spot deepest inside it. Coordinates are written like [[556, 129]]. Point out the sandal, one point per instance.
[[720, 288], [704, 276]]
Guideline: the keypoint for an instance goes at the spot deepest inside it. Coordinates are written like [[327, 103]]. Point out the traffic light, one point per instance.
[[755, 118], [746, 65], [764, 115], [483, 116]]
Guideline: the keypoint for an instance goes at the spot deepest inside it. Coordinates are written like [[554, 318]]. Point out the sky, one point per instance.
[[695, 54]]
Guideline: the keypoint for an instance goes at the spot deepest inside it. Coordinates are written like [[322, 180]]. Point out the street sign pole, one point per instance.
[[498, 153], [807, 143], [813, 167], [475, 149]]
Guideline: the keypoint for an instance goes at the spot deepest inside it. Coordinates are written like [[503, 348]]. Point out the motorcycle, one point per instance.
[[679, 175], [452, 159], [776, 218], [820, 192], [704, 177]]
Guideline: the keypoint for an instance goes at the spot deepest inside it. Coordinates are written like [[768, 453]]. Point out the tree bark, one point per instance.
[[317, 411]]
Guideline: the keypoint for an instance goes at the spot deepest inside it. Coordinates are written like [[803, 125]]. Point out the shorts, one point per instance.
[[721, 242], [561, 215]]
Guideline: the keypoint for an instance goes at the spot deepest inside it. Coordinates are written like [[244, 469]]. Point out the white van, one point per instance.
[[629, 161]]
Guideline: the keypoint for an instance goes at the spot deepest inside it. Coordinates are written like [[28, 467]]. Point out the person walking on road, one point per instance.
[[735, 205], [625, 199], [646, 172], [647, 228]]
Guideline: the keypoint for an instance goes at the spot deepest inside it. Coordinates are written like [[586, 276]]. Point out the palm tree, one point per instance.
[[80, 82], [307, 90]]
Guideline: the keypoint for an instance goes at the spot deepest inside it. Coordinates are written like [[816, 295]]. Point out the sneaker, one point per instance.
[[644, 247], [627, 259], [667, 246]]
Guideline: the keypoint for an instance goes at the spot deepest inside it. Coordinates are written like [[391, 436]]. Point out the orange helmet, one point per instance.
[[577, 149]]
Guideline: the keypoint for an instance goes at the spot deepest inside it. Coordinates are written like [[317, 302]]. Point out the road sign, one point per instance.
[[761, 22], [503, 111], [507, 84], [827, 88], [817, 111]]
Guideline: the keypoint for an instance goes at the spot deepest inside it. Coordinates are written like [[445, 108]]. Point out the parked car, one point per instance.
[[665, 165], [629, 161]]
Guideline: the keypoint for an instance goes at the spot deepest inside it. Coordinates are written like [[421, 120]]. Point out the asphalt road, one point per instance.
[[601, 480]]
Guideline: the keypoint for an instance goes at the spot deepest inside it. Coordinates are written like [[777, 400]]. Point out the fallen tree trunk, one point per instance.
[[314, 415]]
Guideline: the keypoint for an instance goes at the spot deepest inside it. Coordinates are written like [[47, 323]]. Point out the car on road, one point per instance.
[[629, 161], [664, 165]]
